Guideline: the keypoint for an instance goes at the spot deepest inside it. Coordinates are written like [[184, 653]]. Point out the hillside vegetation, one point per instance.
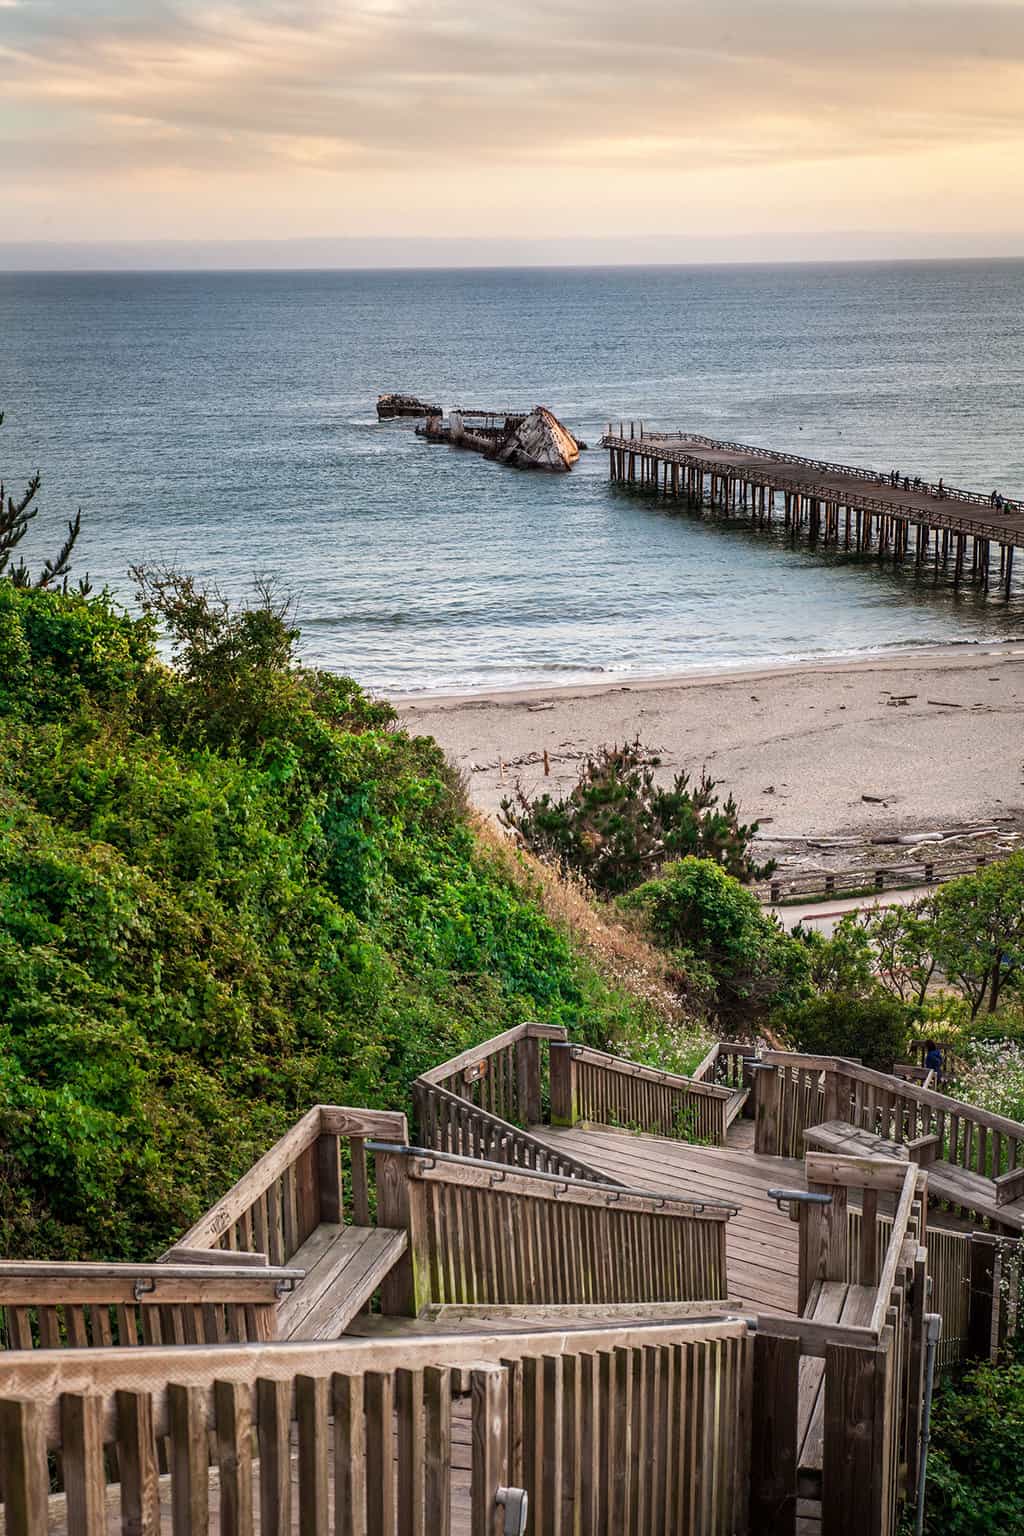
[[231, 888]]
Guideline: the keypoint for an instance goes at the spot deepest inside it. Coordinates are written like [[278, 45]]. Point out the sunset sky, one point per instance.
[[810, 125]]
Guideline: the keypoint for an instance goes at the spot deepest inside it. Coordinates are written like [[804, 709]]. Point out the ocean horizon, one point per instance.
[[226, 422]]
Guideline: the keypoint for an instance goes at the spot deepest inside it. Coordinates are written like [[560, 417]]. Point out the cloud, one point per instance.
[[388, 82], [397, 89]]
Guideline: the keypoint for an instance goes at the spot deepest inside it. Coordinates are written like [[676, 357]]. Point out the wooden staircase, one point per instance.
[[343, 1267]]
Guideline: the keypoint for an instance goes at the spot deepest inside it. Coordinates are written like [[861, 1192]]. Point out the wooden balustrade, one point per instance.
[[790, 1097], [591, 1086], [481, 1232], [298, 1184], [977, 1157], [80, 1306], [608, 1430], [503, 1076], [727, 1064], [448, 1123]]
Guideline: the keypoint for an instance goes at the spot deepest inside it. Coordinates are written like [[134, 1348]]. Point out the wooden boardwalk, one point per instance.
[[906, 518], [761, 1241]]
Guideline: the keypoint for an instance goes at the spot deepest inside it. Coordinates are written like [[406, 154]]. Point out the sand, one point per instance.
[[811, 750]]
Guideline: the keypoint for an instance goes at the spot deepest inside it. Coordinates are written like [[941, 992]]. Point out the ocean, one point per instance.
[[226, 422]]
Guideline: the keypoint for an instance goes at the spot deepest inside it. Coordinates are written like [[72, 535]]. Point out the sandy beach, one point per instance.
[[860, 749]]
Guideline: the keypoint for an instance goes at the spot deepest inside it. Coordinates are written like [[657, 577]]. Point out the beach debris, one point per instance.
[[535, 709], [946, 703], [404, 405], [900, 698], [874, 799], [547, 763]]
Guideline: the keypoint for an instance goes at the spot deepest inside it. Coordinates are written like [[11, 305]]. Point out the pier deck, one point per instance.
[[853, 508]]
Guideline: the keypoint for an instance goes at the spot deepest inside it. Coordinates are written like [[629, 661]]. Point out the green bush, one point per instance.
[[227, 891], [616, 827], [975, 1487], [725, 948], [873, 1030]]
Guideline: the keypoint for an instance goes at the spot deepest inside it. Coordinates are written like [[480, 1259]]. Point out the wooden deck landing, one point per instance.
[[761, 1240]]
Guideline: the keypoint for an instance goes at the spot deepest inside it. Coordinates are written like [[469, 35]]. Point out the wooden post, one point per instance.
[[528, 1075], [773, 1446], [401, 1204], [766, 1127], [855, 1481], [81, 1421], [328, 1152], [563, 1084], [489, 1388], [26, 1478], [915, 1370]]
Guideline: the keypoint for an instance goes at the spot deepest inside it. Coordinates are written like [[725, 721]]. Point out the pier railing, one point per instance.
[[823, 466], [592, 1087], [829, 494], [871, 878]]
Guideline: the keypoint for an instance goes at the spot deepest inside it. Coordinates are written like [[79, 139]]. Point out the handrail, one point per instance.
[[521, 1143], [26, 1271], [900, 1085], [504, 1174], [914, 1189], [437, 1076], [591, 1057], [45, 1378], [322, 1120]]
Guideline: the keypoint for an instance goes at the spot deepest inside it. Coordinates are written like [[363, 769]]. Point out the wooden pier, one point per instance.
[[951, 534], [610, 1299]]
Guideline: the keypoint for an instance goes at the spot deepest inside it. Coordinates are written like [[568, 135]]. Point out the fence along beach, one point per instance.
[[902, 517]]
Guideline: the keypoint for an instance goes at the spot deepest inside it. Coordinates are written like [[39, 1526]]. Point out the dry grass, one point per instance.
[[621, 954]]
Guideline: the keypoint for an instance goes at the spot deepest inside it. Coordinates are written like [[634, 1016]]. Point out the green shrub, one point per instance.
[[873, 1030], [227, 891], [724, 946], [975, 1487], [616, 827]]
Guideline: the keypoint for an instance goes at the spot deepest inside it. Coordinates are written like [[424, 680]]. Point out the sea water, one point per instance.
[[226, 422]]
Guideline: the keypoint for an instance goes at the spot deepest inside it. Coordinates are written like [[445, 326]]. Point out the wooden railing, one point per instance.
[[626, 1430], [790, 1097], [81, 1306], [863, 1289], [484, 1233], [934, 1127], [590, 1086], [726, 1064], [824, 884], [298, 1184], [448, 1123], [503, 1076]]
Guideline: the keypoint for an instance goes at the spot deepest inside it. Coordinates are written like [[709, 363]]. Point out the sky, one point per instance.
[[416, 130]]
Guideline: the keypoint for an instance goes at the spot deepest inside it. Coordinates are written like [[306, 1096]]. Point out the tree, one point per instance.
[[873, 1030], [903, 939], [714, 927], [15, 518], [979, 931], [617, 827]]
